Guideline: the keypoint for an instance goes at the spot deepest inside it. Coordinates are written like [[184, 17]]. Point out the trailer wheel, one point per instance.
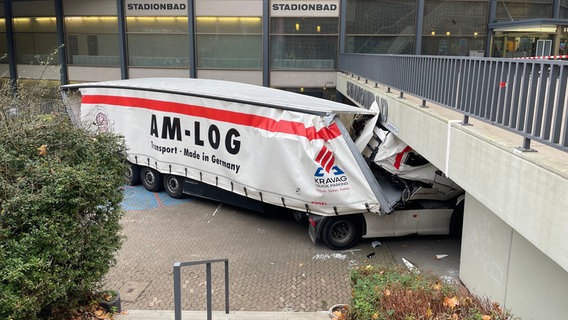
[[173, 186], [151, 179], [132, 174], [340, 233]]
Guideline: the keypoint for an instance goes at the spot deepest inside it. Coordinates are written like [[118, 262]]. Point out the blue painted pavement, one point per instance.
[[138, 198]]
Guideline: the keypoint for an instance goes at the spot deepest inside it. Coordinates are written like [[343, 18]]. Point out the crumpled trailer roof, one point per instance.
[[230, 91], [224, 134]]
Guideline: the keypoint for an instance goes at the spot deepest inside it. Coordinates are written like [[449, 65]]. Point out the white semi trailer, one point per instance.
[[260, 148]]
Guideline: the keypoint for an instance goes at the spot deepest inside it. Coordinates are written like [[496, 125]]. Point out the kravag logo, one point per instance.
[[328, 176]]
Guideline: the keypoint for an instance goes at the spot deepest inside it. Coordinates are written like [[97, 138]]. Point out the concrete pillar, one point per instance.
[[497, 262], [485, 251]]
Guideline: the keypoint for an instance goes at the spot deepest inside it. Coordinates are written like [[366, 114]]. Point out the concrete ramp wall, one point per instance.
[[516, 210]]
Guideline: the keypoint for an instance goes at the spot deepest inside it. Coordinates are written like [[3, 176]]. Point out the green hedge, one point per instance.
[[60, 195]]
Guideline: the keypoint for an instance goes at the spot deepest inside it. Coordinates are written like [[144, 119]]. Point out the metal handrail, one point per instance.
[[527, 97], [177, 285]]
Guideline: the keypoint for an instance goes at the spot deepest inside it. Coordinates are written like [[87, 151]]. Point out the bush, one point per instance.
[[59, 205], [392, 293]]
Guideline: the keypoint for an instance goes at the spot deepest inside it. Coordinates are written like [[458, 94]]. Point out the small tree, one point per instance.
[[60, 195]]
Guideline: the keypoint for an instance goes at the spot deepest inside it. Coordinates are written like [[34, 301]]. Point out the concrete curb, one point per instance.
[[220, 315]]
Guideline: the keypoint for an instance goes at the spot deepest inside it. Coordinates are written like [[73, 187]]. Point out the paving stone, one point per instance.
[[131, 290], [264, 267]]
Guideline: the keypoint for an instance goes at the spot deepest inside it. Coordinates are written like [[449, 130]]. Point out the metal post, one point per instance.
[[177, 291], [122, 40], [60, 20], [419, 28], [526, 143], [489, 32], [526, 147], [191, 34], [342, 24], [227, 287], [10, 44], [208, 279], [556, 9], [177, 285], [266, 43]]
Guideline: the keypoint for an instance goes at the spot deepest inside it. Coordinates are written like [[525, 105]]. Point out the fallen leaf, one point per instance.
[[100, 314], [451, 302], [375, 316], [42, 150], [387, 292], [486, 317], [497, 307], [340, 313]]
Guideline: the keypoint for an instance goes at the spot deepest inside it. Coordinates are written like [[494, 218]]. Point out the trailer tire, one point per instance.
[[173, 186], [151, 179], [340, 233], [132, 174]]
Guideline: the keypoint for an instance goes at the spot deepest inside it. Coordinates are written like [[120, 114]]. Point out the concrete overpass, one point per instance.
[[515, 236]]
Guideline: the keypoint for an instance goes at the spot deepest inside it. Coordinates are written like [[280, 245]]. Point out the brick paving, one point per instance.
[[273, 266]]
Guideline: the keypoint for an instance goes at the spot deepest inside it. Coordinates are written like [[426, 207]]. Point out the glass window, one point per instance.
[[383, 26], [303, 43], [158, 41], [563, 9], [454, 28], [3, 48], [524, 9], [229, 42], [92, 41], [453, 46], [3, 43], [325, 93], [36, 40]]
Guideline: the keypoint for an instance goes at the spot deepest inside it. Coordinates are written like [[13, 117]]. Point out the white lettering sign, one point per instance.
[[151, 8], [298, 8]]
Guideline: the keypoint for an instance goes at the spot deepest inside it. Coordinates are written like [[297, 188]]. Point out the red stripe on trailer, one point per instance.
[[399, 155], [245, 119]]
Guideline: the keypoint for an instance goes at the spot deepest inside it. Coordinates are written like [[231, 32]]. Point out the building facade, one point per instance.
[[294, 45], [279, 43]]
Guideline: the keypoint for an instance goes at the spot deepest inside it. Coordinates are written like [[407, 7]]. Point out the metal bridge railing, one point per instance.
[[177, 285], [524, 96]]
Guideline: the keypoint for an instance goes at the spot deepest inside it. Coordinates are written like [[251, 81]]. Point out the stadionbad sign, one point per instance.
[[291, 8], [155, 7]]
